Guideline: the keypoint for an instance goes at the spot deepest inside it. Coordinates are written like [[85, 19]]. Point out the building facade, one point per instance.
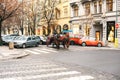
[[62, 15], [60, 20], [95, 18]]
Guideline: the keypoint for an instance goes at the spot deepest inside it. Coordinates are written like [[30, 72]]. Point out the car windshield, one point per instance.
[[92, 38], [9, 37], [84, 38]]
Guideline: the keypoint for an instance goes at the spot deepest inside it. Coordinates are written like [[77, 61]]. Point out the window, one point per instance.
[[100, 6], [29, 39], [59, 1], [58, 29], [65, 11], [33, 38], [87, 8], [95, 7], [109, 4], [57, 13], [76, 11], [87, 29]]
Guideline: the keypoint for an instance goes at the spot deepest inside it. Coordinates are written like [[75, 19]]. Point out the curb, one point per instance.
[[15, 56]]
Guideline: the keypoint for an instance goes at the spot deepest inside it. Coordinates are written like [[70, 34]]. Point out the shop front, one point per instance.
[[111, 31]]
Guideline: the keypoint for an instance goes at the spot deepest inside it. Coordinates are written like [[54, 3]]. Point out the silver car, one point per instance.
[[25, 41], [6, 39]]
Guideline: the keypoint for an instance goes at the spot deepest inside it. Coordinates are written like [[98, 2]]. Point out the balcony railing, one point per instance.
[[84, 1]]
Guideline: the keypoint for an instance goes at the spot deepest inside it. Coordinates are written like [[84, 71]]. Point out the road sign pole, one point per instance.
[[116, 39]]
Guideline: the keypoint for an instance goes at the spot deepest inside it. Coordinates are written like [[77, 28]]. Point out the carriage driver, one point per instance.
[[55, 34]]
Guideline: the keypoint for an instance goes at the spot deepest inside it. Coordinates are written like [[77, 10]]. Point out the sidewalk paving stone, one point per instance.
[[6, 53]]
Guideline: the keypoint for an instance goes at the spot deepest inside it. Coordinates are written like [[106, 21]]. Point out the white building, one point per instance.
[[96, 18]]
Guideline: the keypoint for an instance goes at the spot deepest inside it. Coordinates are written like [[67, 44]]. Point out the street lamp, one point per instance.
[[116, 39]]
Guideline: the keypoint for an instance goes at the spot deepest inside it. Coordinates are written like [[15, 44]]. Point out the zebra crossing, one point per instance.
[[46, 50], [41, 50], [39, 70]]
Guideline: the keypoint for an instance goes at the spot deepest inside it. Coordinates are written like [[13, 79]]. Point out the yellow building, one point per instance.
[[60, 20], [62, 12]]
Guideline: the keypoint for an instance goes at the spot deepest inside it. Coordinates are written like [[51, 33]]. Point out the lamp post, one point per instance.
[[116, 25]]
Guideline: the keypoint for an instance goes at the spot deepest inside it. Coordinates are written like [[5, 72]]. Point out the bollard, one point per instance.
[[11, 45]]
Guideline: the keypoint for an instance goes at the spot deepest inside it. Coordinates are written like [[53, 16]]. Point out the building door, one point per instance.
[[97, 35]]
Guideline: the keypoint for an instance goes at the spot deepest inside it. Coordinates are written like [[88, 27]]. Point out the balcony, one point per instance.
[[84, 1]]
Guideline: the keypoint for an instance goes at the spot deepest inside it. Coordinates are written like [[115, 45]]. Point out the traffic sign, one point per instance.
[[117, 26]]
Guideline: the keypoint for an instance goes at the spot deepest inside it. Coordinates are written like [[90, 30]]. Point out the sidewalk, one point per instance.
[[6, 53], [112, 45]]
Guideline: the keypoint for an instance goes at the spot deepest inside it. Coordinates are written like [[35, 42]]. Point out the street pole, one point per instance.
[[116, 39]]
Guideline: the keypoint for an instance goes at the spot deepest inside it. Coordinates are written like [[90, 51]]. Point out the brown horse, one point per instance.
[[65, 40], [56, 40]]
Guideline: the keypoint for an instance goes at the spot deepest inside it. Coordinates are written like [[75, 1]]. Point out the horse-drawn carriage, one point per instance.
[[58, 39]]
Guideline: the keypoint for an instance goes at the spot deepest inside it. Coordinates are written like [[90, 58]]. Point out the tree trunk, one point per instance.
[[48, 29], [21, 28], [28, 29], [0, 32], [34, 25]]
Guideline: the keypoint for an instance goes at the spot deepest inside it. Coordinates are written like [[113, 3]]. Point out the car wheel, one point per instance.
[[24, 46], [41, 42], [53, 44], [83, 44], [99, 45], [72, 42], [36, 45]]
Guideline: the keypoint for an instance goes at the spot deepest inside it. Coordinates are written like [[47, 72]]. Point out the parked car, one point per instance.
[[74, 40], [38, 39], [90, 41], [25, 41], [6, 39], [43, 39]]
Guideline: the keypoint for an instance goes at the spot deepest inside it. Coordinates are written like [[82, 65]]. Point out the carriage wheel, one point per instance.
[[53, 44]]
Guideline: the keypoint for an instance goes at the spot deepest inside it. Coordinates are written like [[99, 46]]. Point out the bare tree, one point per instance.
[[32, 14], [48, 12], [7, 24], [7, 10]]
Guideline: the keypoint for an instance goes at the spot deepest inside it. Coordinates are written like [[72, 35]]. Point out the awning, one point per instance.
[[65, 31]]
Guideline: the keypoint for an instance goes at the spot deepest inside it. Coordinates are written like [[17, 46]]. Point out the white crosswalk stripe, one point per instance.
[[41, 51], [40, 70], [81, 48], [85, 77]]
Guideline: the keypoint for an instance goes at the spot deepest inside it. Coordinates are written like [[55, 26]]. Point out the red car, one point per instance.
[[89, 41], [74, 40]]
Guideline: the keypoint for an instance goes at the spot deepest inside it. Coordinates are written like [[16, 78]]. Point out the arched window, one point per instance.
[[58, 29], [44, 30], [65, 27]]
